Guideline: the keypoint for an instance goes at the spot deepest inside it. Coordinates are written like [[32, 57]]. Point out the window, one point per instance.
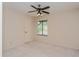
[[42, 27]]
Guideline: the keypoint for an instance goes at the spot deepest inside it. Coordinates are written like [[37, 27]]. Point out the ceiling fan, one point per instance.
[[39, 10]]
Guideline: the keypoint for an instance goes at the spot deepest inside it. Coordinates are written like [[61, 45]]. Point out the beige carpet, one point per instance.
[[40, 49]]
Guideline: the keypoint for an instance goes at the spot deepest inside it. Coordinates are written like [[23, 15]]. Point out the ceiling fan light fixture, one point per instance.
[[38, 14]]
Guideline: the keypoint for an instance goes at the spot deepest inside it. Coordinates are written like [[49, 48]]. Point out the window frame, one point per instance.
[[41, 22]]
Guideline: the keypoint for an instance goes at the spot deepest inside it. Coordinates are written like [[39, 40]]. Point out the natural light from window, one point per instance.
[[42, 27]]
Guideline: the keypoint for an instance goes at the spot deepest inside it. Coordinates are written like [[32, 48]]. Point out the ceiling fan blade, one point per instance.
[[46, 12], [45, 8], [33, 6], [31, 11]]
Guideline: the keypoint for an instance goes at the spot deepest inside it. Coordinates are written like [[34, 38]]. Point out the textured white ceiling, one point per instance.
[[24, 7]]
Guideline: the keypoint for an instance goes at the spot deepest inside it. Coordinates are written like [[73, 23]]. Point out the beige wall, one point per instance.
[[15, 25], [29, 29], [63, 29]]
